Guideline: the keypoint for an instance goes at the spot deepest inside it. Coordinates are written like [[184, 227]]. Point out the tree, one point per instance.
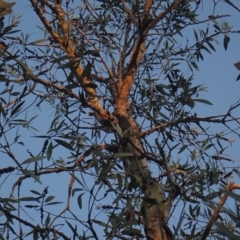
[[125, 134]]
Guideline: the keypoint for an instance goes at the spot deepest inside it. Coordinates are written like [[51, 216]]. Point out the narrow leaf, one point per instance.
[[39, 41], [27, 199], [47, 220], [64, 144], [100, 223], [238, 78], [79, 200], [196, 35], [103, 173], [49, 199], [118, 129], [226, 40], [35, 192], [49, 151], [237, 65], [33, 159], [203, 101], [31, 174], [35, 235], [76, 190], [122, 154], [17, 108], [73, 176], [52, 203]]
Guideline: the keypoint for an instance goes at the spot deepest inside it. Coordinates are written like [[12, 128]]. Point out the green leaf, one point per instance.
[[48, 220], [206, 49], [31, 174], [118, 129], [119, 179], [190, 103], [214, 178], [145, 213], [35, 235], [92, 52], [203, 101], [33, 159], [208, 146], [191, 211], [192, 200], [35, 192], [70, 225], [64, 144], [91, 85], [217, 27], [68, 64], [119, 197], [49, 151], [39, 41], [15, 94], [216, 157], [31, 206], [71, 86], [194, 154], [56, 60], [103, 173], [76, 190], [211, 46], [122, 154], [225, 232], [238, 78], [101, 155], [100, 223], [41, 136], [86, 72], [49, 199], [235, 196], [163, 115], [226, 40], [237, 65], [1, 25], [195, 65], [182, 148], [73, 176], [6, 200], [27, 199], [79, 200], [170, 136], [195, 34], [212, 195], [17, 108], [52, 203], [29, 72], [133, 232], [95, 164], [160, 88]]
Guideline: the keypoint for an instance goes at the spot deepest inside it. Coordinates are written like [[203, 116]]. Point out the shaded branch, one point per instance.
[[193, 119], [37, 228], [53, 170], [217, 210]]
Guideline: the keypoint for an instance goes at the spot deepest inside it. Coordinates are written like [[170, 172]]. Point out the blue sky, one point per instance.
[[217, 73]]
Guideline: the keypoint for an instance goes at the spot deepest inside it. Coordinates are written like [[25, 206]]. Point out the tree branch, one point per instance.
[[68, 46], [214, 216]]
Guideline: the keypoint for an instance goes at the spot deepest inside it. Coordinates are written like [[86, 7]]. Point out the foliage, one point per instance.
[[102, 108]]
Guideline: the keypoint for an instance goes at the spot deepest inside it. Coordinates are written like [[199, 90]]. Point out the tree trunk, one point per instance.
[[154, 214]]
